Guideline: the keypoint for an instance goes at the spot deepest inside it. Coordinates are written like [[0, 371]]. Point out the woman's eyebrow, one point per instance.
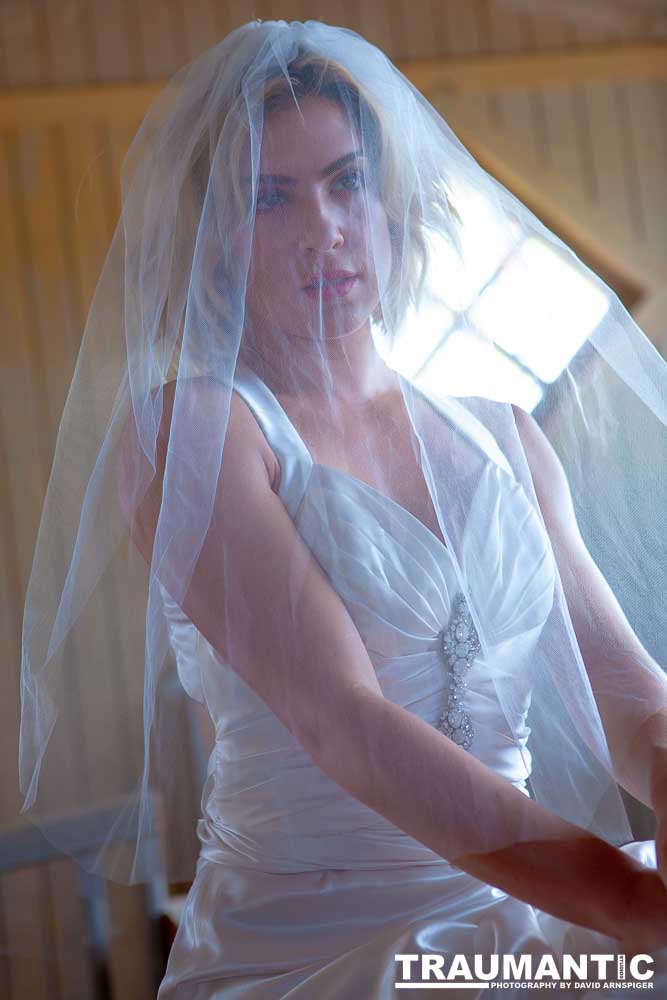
[[356, 154], [329, 169]]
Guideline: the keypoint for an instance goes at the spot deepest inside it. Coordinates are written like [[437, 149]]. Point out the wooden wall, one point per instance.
[[56, 42], [591, 153]]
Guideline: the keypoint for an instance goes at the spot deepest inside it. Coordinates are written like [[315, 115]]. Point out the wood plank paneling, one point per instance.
[[22, 474], [163, 46], [608, 143], [86, 234], [131, 974], [342, 13], [420, 33], [113, 49], [67, 39], [515, 115], [84, 210], [51, 41], [31, 967], [375, 25], [69, 929], [644, 111], [463, 27], [20, 45], [539, 124], [464, 30], [25, 389], [52, 296], [557, 108], [201, 32]]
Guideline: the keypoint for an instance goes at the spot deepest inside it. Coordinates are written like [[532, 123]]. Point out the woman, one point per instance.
[[367, 562]]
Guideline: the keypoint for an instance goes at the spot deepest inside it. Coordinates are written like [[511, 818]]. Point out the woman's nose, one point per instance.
[[321, 228]]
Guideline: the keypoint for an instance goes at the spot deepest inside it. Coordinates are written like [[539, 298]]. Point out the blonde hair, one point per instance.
[[312, 75]]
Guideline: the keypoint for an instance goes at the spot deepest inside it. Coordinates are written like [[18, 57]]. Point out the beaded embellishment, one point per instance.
[[460, 645]]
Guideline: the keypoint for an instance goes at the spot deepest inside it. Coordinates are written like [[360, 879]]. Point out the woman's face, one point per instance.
[[314, 269]]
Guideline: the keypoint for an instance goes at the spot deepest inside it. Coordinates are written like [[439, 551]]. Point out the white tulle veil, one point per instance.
[[476, 310]]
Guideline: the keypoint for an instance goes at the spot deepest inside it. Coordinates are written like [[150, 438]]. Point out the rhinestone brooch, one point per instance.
[[460, 645]]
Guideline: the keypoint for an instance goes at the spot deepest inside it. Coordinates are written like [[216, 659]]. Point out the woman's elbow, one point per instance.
[[337, 734]]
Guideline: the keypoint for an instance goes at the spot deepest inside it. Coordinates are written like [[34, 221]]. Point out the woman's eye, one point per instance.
[[351, 180], [269, 198]]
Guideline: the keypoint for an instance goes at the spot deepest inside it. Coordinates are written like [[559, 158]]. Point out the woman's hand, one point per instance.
[[644, 928], [658, 793], [661, 844]]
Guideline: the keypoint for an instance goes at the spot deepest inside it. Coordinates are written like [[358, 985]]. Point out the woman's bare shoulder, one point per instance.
[[243, 428], [243, 436]]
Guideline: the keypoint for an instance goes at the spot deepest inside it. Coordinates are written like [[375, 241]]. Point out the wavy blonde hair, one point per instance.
[[313, 75]]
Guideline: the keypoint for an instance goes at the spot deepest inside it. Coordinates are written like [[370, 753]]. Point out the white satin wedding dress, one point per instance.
[[318, 907]]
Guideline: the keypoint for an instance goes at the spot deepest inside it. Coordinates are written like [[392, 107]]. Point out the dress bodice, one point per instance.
[[265, 803]]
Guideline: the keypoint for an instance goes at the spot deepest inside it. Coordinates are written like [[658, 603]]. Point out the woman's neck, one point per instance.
[[327, 373]]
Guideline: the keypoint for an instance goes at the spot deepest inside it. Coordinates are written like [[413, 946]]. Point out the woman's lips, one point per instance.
[[331, 288]]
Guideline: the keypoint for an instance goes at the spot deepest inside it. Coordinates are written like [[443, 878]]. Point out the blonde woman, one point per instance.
[[423, 692]]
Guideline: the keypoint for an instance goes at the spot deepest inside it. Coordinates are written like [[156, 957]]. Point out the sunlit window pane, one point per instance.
[[485, 240], [469, 365], [420, 333], [540, 308]]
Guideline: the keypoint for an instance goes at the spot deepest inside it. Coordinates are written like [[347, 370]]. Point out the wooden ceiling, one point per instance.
[[69, 42], [615, 14]]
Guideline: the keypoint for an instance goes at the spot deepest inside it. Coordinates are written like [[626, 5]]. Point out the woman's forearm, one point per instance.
[[630, 689], [444, 797], [643, 766]]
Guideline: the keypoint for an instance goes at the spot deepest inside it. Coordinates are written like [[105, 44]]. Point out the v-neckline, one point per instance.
[[415, 521]]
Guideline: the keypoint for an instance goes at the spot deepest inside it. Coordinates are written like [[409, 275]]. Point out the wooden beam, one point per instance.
[[479, 74], [650, 313], [598, 13], [37, 106], [464, 75], [560, 204]]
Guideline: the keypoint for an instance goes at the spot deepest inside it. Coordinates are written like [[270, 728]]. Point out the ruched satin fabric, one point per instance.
[[318, 906]]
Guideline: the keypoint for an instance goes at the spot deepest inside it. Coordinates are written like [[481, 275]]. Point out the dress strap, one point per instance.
[[464, 421], [295, 460]]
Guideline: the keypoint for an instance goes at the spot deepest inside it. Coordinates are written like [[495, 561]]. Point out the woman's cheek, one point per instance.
[[380, 254]]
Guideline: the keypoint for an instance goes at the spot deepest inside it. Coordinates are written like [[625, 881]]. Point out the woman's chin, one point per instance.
[[329, 320], [338, 329]]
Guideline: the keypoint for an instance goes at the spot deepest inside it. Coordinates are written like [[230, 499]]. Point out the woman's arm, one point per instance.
[[438, 793], [629, 686], [262, 600]]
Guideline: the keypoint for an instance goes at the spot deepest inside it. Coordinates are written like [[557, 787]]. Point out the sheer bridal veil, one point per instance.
[[404, 257]]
